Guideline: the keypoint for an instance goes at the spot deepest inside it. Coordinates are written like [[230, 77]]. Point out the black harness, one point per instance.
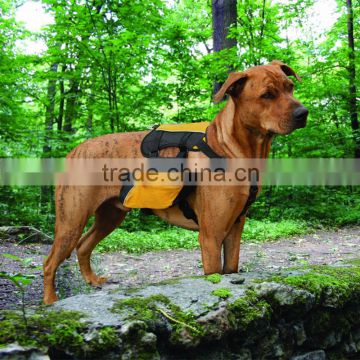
[[189, 213], [186, 141]]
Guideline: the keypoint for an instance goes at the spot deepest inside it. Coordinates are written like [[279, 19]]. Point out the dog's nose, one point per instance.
[[300, 114]]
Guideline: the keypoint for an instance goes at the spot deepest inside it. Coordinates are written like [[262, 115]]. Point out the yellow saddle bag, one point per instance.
[[155, 195]]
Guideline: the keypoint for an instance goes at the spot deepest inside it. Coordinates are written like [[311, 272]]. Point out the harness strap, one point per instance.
[[250, 200], [185, 207], [187, 211], [207, 150], [185, 140]]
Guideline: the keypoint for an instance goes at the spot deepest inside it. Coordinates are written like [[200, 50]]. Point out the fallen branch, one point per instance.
[[15, 231], [36, 232], [177, 321]]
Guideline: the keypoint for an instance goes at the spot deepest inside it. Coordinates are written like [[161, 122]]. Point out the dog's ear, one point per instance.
[[232, 86], [286, 69]]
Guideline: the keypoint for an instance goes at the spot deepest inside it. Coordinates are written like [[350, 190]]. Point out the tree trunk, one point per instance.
[[46, 194], [49, 112], [352, 76], [90, 112], [224, 14], [70, 111], [62, 99]]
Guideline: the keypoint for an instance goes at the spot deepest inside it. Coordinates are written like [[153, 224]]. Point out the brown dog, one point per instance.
[[260, 104]]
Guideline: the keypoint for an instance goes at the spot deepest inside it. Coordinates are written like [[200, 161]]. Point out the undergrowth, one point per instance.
[[171, 237]]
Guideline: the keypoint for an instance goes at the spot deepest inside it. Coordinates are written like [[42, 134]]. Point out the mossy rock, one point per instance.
[[277, 316], [331, 285], [156, 309], [247, 310], [61, 332]]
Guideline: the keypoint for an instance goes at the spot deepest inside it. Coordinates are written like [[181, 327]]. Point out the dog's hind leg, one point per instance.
[[107, 218], [67, 235]]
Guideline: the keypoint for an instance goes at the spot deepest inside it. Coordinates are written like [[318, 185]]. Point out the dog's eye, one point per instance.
[[268, 95]]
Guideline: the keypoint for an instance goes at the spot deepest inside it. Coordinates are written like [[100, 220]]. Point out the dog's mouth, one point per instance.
[[290, 128], [287, 126], [300, 124]]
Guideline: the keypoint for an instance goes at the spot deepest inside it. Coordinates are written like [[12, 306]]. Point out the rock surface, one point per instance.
[[309, 313]]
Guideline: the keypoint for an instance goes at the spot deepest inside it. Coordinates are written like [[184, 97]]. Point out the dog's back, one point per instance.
[[118, 145]]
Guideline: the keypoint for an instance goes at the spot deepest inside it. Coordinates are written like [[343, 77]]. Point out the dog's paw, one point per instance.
[[97, 280], [50, 299]]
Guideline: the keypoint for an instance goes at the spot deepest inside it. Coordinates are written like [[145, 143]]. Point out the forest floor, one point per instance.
[[321, 247]]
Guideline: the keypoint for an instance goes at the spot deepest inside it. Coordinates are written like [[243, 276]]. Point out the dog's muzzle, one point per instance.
[[300, 115]]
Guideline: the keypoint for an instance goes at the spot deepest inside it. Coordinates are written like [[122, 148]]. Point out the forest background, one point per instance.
[[114, 66]]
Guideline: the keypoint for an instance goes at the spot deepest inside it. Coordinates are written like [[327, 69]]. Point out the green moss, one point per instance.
[[62, 330], [248, 309], [64, 335], [214, 278], [168, 281], [151, 309], [319, 279], [338, 284], [12, 327], [105, 339], [140, 308], [222, 293], [355, 262]]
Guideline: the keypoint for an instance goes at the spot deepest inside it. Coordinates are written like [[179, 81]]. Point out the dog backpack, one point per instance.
[[186, 137]]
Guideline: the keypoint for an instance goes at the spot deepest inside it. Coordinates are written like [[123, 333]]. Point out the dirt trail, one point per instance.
[[322, 247]]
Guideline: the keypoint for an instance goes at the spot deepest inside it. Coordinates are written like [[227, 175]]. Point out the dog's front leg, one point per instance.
[[232, 247], [210, 244], [218, 210]]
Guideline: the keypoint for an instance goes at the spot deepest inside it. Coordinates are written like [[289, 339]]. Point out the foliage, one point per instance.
[[20, 280], [166, 237], [21, 206], [143, 241], [113, 66], [329, 206]]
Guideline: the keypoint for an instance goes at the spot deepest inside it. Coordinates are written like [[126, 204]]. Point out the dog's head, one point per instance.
[[264, 98]]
